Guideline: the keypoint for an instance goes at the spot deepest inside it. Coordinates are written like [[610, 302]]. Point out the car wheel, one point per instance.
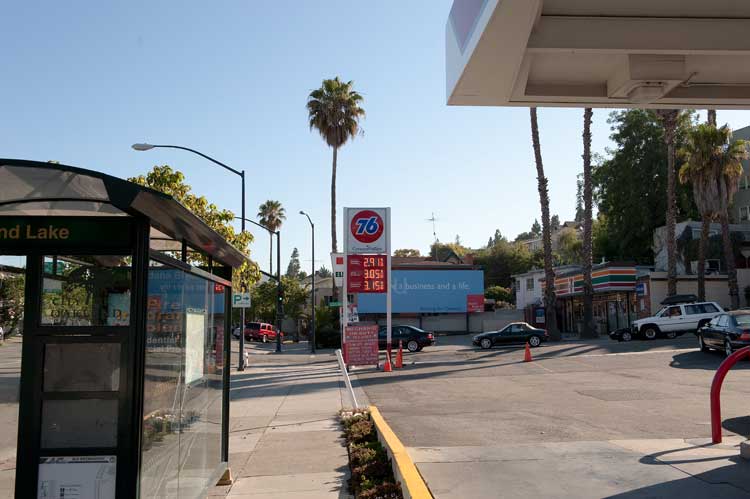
[[671, 335], [412, 346], [702, 344], [728, 348], [486, 343], [265, 338], [535, 341], [650, 333], [626, 336]]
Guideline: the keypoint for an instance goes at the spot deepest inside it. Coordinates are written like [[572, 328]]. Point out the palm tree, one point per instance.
[[334, 110], [549, 273], [669, 119], [589, 328], [711, 117], [713, 164], [271, 214]]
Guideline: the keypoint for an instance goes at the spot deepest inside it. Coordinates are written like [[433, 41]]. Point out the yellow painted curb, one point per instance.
[[412, 485]]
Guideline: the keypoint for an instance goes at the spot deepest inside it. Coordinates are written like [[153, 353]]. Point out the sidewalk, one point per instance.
[[285, 439]]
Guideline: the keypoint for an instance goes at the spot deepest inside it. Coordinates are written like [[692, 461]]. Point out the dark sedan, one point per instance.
[[516, 332], [412, 338], [727, 332]]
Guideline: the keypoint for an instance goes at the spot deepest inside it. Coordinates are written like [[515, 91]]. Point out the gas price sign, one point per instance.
[[367, 274]]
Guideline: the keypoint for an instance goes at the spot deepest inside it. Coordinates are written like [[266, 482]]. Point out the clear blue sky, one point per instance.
[[84, 80]]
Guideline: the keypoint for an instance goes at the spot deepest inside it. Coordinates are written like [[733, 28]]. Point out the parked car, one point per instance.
[[515, 332], [675, 320], [622, 334], [728, 331], [260, 331], [412, 338]]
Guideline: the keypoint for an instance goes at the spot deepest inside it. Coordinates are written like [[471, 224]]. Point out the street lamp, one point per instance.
[[148, 147], [312, 336], [279, 294]]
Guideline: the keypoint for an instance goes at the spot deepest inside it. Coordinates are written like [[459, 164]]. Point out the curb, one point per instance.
[[412, 484]]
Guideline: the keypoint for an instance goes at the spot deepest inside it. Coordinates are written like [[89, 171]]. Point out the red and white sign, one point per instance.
[[367, 274], [361, 346], [474, 303], [366, 231], [337, 264]]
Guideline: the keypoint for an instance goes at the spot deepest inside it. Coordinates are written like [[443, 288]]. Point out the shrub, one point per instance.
[[385, 490], [361, 432]]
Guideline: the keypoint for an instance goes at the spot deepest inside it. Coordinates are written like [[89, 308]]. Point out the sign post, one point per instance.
[[367, 263]]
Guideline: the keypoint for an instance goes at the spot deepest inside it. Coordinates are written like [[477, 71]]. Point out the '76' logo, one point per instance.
[[367, 226]]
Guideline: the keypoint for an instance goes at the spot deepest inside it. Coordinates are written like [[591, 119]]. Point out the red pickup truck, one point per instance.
[[260, 331]]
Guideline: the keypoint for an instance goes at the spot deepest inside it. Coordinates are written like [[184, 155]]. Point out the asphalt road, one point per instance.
[[584, 419]]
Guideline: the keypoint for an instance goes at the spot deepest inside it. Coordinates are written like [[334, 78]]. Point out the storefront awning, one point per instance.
[[599, 53]]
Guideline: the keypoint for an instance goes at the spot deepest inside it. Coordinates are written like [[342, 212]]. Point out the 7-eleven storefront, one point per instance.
[[614, 298]]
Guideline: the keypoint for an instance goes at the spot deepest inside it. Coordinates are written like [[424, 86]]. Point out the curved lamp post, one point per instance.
[[148, 147], [312, 336]]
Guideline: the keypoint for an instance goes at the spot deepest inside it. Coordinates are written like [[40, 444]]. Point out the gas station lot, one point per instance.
[[584, 419]]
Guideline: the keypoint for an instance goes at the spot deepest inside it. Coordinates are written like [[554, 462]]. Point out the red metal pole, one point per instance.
[[721, 373]]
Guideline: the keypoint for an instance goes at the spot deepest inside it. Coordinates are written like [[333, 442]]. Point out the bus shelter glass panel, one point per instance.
[[86, 291], [183, 383]]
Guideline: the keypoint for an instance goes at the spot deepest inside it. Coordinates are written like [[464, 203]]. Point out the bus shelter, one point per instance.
[[125, 362]]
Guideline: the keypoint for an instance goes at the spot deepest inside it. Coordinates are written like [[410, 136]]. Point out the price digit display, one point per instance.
[[367, 274]]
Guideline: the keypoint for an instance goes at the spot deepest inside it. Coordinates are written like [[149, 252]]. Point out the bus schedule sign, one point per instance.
[[367, 274], [50, 232]]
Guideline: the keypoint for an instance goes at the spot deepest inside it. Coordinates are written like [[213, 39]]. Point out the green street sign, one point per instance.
[[334, 304]]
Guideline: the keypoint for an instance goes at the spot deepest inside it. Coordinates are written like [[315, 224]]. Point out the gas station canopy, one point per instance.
[[599, 53]]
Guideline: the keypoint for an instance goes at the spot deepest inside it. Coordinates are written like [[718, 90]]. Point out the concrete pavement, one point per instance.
[[285, 439], [586, 419]]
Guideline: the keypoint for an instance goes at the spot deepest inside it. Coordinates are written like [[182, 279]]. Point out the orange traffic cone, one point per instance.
[[400, 355], [527, 354], [387, 366]]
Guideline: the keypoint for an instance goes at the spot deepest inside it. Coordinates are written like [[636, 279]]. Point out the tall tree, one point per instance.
[[589, 327], [579, 199], [272, 215], [334, 110], [632, 206], [536, 229], [711, 117], [554, 222], [549, 273], [293, 269], [669, 119], [713, 164]]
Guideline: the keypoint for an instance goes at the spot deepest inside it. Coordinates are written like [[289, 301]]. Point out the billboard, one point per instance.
[[427, 291]]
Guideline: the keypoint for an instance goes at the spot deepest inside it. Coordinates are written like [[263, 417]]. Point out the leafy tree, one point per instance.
[[536, 229], [543, 188], [497, 238], [172, 182], [272, 215], [713, 164], [579, 198], [293, 269], [406, 253], [324, 272], [443, 250], [629, 185], [554, 222], [11, 301], [499, 294], [334, 110], [525, 236], [503, 260], [264, 298], [570, 248]]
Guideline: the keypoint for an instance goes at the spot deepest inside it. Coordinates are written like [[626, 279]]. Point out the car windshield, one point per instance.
[[661, 312], [742, 320]]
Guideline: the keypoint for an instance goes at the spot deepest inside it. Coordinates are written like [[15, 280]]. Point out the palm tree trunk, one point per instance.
[[669, 122], [589, 327], [334, 244], [702, 248], [549, 273], [711, 117], [726, 241]]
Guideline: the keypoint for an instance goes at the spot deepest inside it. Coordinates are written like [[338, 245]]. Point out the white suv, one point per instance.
[[674, 320]]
